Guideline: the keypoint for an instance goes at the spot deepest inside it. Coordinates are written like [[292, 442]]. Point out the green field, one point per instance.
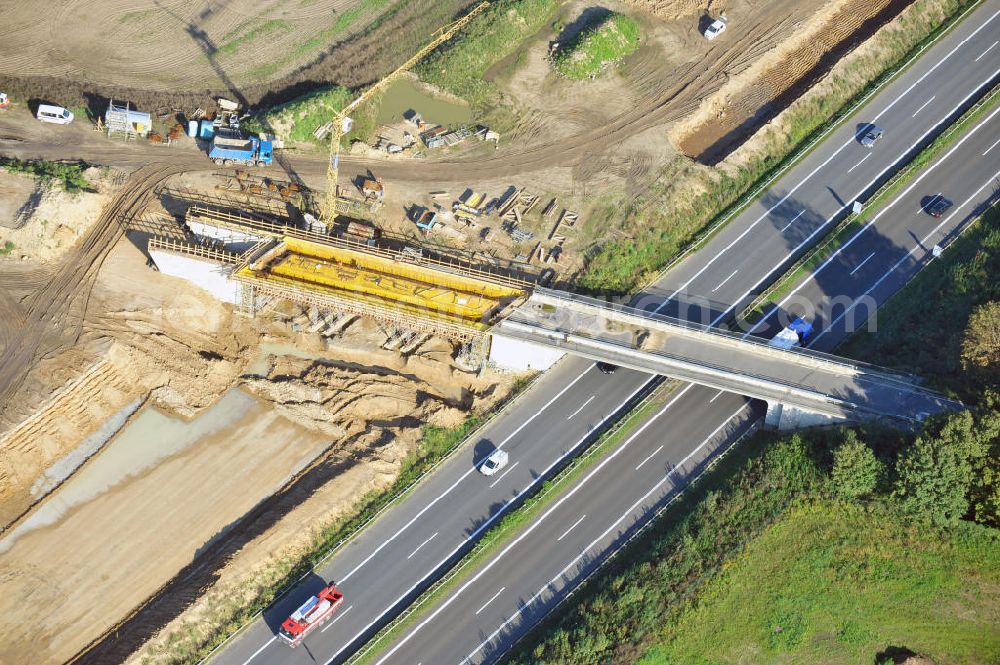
[[597, 46], [837, 583]]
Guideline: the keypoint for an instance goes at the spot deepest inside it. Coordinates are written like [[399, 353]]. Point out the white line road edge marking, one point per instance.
[[486, 525], [575, 524], [716, 396], [339, 617], [601, 537], [922, 106], [724, 281], [785, 227], [344, 578], [257, 652], [570, 416], [867, 259], [421, 545], [910, 253], [829, 219], [991, 147], [859, 163], [990, 48], [832, 156], [872, 221], [495, 596], [536, 523], [500, 477], [651, 455]]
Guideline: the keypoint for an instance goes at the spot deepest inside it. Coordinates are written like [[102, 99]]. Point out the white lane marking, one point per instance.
[[651, 456], [874, 219], [922, 106], [257, 652], [850, 141], [465, 475], [859, 163], [339, 617], [716, 396], [575, 524], [829, 219], [421, 545], [582, 554], [858, 267], [785, 228], [724, 281], [991, 147], [490, 600], [500, 477], [990, 48], [570, 416], [907, 256], [486, 525], [534, 525]]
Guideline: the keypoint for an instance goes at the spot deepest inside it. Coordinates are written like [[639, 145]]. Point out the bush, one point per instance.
[[856, 471], [598, 45], [937, 472], [981, 344], [69, 175]]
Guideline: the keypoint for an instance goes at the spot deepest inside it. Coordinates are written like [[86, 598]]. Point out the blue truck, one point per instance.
[[230, 146]]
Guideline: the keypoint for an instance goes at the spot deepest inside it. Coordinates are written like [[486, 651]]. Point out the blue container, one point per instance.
[[206, 130]]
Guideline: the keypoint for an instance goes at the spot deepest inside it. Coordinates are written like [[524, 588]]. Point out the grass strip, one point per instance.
[[196, 642], [673, 232], [511, 524], [597, 46], [852, 224]]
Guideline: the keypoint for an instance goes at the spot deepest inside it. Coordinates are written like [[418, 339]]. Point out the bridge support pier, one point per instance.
[[787, 418]]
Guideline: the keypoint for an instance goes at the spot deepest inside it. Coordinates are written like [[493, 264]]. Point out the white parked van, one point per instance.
[[56, 114]]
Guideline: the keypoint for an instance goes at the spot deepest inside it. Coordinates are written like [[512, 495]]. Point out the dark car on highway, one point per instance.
[[938, 205], [872, 136], [606, 368]]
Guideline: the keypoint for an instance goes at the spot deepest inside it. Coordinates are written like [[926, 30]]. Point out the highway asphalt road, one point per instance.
[[510, 592], [416, 540]]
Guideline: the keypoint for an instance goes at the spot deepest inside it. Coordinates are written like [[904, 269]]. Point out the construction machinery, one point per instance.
[[342, 122]]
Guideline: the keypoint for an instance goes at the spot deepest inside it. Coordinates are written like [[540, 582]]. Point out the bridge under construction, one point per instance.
[[252, 262]]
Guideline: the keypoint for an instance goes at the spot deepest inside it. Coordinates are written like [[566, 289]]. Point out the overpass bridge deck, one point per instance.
[[817, 382]]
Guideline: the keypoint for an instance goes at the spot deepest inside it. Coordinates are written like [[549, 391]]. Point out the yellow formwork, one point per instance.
[[389, 284]]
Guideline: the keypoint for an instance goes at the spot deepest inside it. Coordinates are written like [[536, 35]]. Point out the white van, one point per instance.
[[56, 114]]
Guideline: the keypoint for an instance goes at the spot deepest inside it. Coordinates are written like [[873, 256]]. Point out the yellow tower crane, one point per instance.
[[342, 121]]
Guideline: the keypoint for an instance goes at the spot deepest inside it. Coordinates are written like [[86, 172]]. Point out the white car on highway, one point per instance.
[[497, 460]]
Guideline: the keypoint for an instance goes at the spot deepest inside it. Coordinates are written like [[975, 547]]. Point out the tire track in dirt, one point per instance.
[[736, 116], [51, 319]]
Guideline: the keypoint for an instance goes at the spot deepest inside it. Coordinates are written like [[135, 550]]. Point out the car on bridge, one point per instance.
[[605, 368]]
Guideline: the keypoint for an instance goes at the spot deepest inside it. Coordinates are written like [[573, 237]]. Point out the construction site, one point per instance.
[[209, 358]]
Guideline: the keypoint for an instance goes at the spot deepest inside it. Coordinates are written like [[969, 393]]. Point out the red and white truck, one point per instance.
[[311, 614]]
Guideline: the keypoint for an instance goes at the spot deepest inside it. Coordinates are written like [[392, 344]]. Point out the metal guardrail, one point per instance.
[[391, 502], [725, 334], [181, 247], [652, 391]]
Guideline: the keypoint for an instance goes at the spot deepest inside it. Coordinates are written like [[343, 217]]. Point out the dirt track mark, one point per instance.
[[52, 317], [757, 101]]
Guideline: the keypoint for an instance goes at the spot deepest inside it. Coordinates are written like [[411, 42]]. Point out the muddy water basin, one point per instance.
[[404, 95]]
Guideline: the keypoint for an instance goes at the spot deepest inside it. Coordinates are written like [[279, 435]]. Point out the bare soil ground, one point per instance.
[[179, 54], [16, 191], [752, 98], [353, 414]]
